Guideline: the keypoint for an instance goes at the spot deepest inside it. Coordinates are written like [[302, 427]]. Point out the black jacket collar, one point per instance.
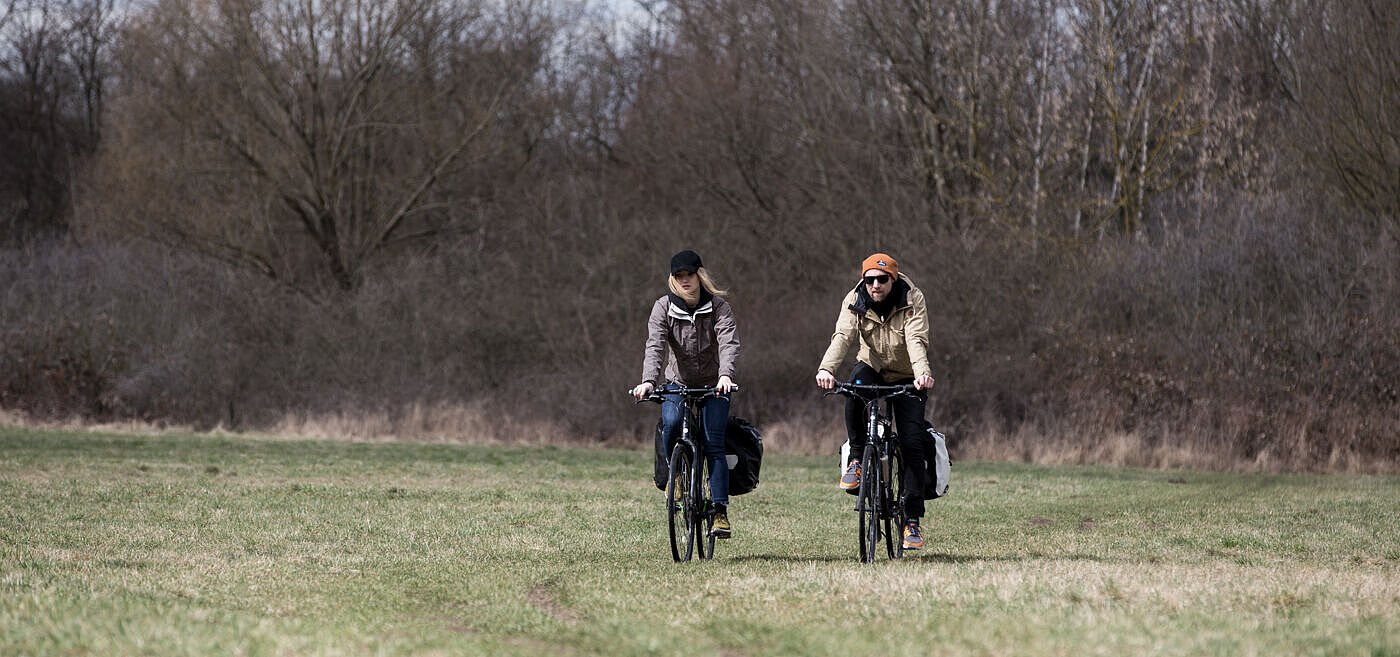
[[899, 297]]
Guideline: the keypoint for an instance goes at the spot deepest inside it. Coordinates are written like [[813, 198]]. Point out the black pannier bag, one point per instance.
[[936, 462], [743, 447], [743, 450]]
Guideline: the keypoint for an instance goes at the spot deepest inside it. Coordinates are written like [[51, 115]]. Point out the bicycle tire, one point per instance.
[[680, 508], [895, 539], [704, 513], [861, 504], [869, 506]]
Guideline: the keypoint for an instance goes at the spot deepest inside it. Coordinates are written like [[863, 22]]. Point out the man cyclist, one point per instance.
[[889, 315]]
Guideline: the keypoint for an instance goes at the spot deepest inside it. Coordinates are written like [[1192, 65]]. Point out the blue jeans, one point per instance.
[[714, 415]]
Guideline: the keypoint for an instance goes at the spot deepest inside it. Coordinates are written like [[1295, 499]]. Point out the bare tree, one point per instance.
[[1348, 86], [92, 29], [931, 51], [1042, 100], [52, 54], [319, 127]]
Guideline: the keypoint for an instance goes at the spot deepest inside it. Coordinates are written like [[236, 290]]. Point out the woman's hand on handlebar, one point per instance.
[[725, 385], [642, 390], [923, 382], [825, 380]]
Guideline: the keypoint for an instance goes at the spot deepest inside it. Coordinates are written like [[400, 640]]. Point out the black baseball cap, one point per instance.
[[686, 260]]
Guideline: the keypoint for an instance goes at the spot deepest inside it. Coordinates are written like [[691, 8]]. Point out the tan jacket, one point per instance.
[[696, 347], [896, 347]]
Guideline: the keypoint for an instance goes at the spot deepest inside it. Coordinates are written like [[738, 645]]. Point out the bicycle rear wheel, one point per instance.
[[704, 514], [680, 511], [868, 506]]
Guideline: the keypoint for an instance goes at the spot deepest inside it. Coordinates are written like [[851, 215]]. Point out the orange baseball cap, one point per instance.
[[882, 262]]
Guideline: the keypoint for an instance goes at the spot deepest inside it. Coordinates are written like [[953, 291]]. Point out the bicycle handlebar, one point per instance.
[[658, 395], [871, 392]]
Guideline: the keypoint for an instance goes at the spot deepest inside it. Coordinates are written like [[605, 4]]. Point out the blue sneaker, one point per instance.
[[851, 480]]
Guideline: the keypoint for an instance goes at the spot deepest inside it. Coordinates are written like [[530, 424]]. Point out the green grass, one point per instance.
[[200, 545]]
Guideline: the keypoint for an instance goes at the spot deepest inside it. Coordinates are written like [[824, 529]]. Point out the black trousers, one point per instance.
[[908, 423]]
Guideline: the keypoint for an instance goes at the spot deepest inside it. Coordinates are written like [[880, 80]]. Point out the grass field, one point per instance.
[[207, 545]]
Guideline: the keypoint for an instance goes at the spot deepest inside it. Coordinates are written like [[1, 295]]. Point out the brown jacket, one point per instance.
[[896, 347], [696, 347]]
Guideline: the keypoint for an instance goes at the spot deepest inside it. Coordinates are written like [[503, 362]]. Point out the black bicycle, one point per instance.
[[880, 500], [690, 510]]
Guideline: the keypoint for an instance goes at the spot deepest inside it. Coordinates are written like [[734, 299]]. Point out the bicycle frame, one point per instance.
[[881, 479], [688, 453]]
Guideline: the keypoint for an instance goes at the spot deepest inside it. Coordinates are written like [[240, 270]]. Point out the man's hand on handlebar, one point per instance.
[[641, 391], [826, 381]]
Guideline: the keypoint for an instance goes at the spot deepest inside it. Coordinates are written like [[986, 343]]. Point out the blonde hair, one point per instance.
[[705, 281]]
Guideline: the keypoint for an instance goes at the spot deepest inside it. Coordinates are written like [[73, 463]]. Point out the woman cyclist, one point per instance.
[[692, 333]]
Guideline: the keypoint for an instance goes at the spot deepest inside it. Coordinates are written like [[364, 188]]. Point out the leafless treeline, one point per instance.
[[1174, 221]]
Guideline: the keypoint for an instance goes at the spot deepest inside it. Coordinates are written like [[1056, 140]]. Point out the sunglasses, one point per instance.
[[881, 279]]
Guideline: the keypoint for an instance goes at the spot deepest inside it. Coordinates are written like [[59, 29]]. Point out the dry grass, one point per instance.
[[818, 430], [474, 424], [1136, 450], [1089, 588]]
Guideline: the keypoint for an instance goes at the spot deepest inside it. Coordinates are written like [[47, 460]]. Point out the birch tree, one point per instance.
[[1140, 98]]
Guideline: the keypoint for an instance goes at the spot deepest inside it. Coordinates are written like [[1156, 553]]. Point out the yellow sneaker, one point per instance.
[[680, 490], [720, 527]]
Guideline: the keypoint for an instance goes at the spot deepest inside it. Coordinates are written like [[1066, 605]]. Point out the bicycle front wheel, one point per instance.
[[894, 504], [680, 510], [868, 506]]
